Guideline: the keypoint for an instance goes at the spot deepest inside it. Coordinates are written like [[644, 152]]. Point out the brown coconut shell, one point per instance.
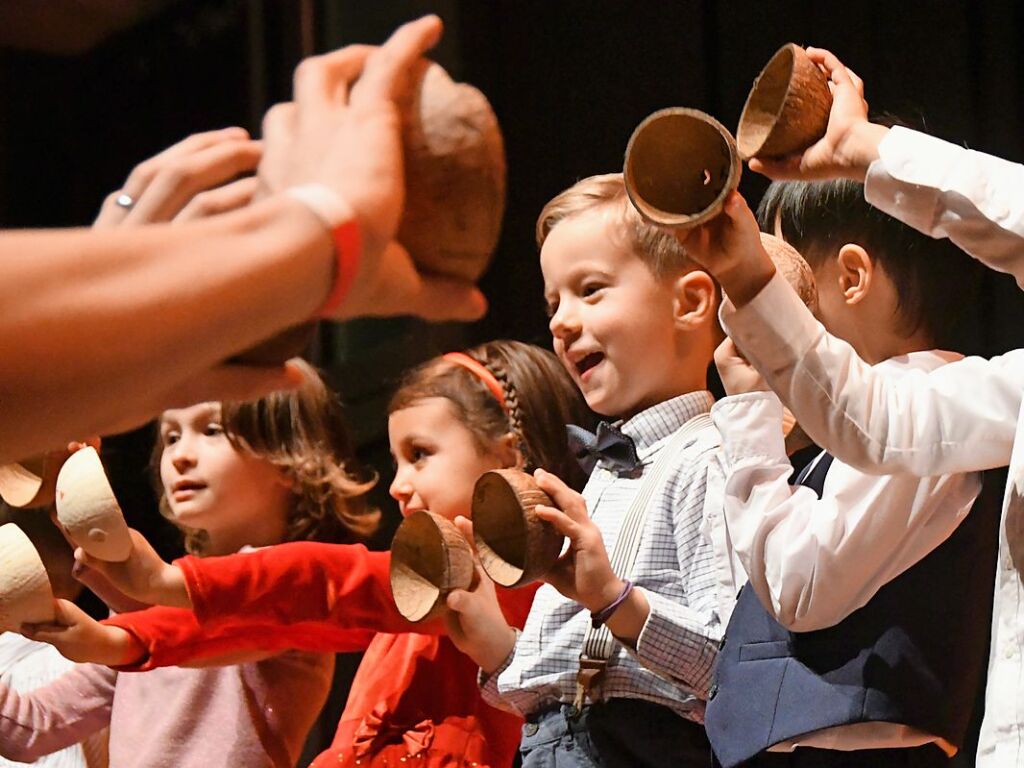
[[514, 545], [454, 175], [787, 109], [32, 482], [429, 558], [680, 166], [25, 593], [792, 266]]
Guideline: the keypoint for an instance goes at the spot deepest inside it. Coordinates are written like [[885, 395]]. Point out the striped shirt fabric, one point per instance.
[[675, 567]]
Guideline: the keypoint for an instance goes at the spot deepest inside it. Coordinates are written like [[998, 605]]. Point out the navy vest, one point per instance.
[[913, 655]]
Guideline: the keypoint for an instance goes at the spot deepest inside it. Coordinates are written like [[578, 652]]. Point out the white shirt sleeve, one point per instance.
[[815, 561], [960, 417], [944, 190]]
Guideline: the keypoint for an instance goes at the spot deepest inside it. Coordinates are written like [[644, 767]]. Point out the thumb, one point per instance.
[[447, 299]]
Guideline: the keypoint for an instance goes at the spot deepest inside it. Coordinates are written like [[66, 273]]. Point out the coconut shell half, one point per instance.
[[33, 482], [787, 109], [514, 545], [680, 166], [25, 593], [88, 509], [429, 558]]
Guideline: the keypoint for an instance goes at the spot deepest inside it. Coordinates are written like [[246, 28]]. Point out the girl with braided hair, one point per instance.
[[415, 699]]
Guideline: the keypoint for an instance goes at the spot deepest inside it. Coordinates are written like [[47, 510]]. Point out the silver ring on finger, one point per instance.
[[124, 200]]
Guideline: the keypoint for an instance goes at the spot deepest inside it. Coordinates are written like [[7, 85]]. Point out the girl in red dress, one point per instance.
[[415, 699]]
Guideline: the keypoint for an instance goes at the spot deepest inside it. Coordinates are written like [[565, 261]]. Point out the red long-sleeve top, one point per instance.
[[415, 695]]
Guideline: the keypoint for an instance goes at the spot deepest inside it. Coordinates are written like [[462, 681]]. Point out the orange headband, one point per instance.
[[480, 371]]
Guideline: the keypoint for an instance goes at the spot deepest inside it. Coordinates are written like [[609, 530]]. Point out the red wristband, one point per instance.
[[339, 217], [348, 247]]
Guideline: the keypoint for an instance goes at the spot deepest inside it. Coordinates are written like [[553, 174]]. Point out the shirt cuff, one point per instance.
[[774, 329], [489, 684], [907, 179], [751, 427], [677, 644]]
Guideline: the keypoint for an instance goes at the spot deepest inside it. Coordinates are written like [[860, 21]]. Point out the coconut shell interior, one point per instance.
[[32, 482], [454, 176], [88, 509], [25, 593], [429, 558], [680, 165], [787, 109], [514, 545]]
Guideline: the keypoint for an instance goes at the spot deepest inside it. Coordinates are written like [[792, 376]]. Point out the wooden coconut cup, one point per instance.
[[88, 509], [787, 109], [680, 166], [454, 175], [793, 268], [429, 558], [33, 482], [25, 593], [514, 545]]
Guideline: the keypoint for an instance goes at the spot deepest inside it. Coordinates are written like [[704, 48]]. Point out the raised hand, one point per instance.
[[81, 638], [850, 142]]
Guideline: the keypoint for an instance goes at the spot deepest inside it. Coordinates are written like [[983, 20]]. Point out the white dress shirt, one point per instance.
[[676, 567], [962, 417]]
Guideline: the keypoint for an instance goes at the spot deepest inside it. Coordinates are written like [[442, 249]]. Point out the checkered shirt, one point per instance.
[[675, 566]]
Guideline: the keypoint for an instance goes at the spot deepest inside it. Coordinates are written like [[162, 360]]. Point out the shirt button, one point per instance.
[[530, 729], [1009, 650]]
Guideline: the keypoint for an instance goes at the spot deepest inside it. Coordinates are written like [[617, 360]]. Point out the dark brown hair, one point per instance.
[[303, 434], [540, 397]]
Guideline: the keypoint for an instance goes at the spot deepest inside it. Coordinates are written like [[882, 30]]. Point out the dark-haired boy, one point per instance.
[[832, 655]]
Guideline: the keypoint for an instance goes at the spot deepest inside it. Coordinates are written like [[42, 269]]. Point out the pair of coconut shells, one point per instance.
[[430, 557], [454, 159], [681, 164]]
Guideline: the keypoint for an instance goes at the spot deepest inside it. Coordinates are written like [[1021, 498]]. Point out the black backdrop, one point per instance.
[[569, 80]]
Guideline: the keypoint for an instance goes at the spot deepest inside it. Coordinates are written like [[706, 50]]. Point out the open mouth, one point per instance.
[[186, 487], [586, 364]]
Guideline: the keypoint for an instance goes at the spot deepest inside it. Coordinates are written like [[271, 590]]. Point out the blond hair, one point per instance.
[[658, 249]]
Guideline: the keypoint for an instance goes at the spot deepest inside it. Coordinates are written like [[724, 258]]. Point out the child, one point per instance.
[[831, 555], [233, 475], [961, 417], [414, 698], [634, 324]]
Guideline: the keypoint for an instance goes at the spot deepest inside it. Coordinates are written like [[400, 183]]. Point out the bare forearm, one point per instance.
[[97, 324]]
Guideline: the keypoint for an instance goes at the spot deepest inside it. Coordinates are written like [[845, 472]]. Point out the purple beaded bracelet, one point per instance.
[[599, 618]]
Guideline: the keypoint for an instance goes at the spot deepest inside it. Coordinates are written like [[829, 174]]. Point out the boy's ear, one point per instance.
[[855, 272], [695, 300]]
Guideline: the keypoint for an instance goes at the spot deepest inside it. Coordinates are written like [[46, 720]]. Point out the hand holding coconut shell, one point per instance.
[[429, 559], [88, 510]]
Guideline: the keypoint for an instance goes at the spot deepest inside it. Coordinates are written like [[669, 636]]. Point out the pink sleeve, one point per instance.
[[57, 715]]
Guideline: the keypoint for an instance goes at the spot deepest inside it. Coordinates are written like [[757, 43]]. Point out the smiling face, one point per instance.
[[612, 320], [438, 460], [209, 484]]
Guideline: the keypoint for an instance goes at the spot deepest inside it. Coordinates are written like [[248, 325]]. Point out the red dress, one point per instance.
[[414, 700]]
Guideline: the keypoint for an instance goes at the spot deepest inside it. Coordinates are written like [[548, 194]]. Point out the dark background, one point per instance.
[[89, 88]]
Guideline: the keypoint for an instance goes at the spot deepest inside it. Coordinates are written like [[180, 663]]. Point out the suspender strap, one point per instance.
[[598, 644]]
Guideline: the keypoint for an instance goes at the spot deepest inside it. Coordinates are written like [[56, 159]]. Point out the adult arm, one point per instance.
[[814, 561], [58, 715]]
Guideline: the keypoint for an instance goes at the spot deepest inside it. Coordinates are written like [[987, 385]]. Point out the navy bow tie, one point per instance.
[[609, 446]]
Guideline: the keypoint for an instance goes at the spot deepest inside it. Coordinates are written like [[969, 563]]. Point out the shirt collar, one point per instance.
[[654, 424]]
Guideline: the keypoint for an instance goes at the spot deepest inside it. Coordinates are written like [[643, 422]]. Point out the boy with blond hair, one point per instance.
[[633, 321]]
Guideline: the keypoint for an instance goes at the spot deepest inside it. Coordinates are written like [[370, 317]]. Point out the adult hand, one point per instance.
[[850, 143], [343, 131], [81, 638], [191, 179]]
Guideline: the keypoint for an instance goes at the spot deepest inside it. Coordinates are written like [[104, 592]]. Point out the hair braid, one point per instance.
[[515, 413]]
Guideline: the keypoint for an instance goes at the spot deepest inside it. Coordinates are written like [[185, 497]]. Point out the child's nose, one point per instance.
[[400, 489], [564, 323], [182, 456]]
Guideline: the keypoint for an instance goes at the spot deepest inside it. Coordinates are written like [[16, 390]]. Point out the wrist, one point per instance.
[[741, 280], [125, 648], [494, 655], [859, 148], [610, 591], [172, 590]]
